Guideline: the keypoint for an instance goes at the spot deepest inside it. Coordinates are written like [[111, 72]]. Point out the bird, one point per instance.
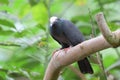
[[67, 34]]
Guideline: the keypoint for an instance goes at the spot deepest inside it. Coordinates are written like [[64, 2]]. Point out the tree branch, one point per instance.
[[108, 35], [64, 58]]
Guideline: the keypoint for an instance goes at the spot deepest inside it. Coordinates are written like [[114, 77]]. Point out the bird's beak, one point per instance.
[[52, 20]]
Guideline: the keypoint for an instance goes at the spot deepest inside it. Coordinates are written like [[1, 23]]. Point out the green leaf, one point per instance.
[[3, 73], [5, 32], [84, 18], [4, 1], [6, 23], [41, 10], [114, 26], [33, 2], [109, 57], [114, 65]]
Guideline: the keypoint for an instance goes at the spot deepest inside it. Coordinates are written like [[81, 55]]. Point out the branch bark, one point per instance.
[[64, 58], [108, 35]]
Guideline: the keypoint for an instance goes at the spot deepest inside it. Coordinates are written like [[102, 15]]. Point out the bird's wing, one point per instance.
[[73, 34], [56, 40], [75, 37]]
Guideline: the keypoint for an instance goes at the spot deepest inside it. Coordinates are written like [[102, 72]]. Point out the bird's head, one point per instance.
[[54, 20]]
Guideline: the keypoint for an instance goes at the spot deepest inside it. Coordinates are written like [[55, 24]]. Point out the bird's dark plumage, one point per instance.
[[67, 34]]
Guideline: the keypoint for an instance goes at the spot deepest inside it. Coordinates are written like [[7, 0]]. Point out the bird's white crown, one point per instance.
[[53, 19]]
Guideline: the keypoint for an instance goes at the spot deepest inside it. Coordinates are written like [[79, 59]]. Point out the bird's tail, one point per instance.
[[85, 66]]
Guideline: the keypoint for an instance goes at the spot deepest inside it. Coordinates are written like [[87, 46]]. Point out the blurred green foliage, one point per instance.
[[25, 43]]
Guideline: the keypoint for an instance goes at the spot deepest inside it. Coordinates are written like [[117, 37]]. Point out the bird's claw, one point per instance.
[[66, 49]]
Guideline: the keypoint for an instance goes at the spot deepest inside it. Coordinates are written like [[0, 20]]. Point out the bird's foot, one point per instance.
[[66, 49]]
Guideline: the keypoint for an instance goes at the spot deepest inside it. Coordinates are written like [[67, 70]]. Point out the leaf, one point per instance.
[[114, 26], [4, 1], [3, 73], [15, 74], [41, 10], [84, 18], [109, 57], [5, 32], [85, 30], [107, 1], [41, 26], [3, 70], [114, 65], [18, 75], [33, 2], [6, 23]]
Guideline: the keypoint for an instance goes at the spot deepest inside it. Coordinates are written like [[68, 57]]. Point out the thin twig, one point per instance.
[[92, 24], [99, 58], [47, 6]]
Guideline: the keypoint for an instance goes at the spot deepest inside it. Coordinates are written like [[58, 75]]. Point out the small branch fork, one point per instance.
[[64, 58], [111, 38]]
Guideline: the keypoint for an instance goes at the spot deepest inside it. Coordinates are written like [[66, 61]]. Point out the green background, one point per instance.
[[26, 45]]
